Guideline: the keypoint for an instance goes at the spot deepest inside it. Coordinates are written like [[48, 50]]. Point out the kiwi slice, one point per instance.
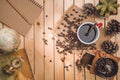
[[16, 63]]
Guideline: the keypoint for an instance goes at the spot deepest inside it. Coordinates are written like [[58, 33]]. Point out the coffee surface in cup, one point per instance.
[[83, 30]]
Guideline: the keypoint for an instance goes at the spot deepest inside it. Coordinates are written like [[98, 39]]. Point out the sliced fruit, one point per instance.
[[16, 63]]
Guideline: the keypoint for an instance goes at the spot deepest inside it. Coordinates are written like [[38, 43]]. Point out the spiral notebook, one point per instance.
[[19, 14]]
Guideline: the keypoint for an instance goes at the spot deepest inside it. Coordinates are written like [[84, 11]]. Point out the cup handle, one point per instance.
[[99, 25]]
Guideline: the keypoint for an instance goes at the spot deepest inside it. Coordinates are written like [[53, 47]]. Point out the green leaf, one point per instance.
[[103, 9], [112, 1], [107, 14], [98, 7], [103, 1]]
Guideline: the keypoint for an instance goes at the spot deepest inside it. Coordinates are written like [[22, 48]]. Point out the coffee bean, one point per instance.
[[73, 9], [62, 23], [71, 14], [58, 27], [70, 65], [44, 56], [76, 11], [65, 66], [44, 33], [67, 69], [49, 28], [67, 15], [74, 18], [79, 15], [63, 59], [46, 15], [50, 60], [63, 30]]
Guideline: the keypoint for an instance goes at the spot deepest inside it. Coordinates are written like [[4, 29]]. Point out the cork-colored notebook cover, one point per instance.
[[20, 15]]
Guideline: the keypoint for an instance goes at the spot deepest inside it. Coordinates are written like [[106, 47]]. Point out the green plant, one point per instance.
[[107, 7]]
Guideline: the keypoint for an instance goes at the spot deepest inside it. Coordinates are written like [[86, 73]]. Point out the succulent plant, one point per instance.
[[107, 7]]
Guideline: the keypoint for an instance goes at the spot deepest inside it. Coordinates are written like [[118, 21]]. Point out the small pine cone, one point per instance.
[[89, 9], [109, 47], [113, 27]]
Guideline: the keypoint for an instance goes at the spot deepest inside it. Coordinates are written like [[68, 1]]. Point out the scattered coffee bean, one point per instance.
[[44, 56], [73, 9], [65, 66], [63, 30], [76, 11], [50, 60], [67, 69], [45, 41], [62, 23], [63, 59], [68, 34], [46, 15], [74, 18], [58, 27], [79, 15], [44, 33], [53, 38], [71, 14], [67, 15], [49, 28], [70, 65]]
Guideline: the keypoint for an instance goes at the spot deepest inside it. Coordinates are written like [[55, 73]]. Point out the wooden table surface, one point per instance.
[[45, 60]]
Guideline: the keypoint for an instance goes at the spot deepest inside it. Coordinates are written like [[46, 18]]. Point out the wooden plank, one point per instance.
[[29, 46], [79, 75], [38, 53], [69, 60], [39, 49], [22, 45], [89, 76], [49, 49], [79, 3], [59, 65]]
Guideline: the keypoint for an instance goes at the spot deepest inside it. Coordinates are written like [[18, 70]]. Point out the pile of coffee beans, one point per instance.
[[68, 40]]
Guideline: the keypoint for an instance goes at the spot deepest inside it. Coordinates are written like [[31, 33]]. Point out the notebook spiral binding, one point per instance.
[[36, 3]]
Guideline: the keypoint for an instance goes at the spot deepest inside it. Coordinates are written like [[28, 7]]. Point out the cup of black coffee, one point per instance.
[[88, 33]]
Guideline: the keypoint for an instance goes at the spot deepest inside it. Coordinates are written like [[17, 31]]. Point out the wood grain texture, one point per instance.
[[44, 59], [49, 51], [59, 65], [39, 46]]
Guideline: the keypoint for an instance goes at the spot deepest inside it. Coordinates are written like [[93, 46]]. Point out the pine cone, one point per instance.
[[89, 9], [109, 47], [113, 27]]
